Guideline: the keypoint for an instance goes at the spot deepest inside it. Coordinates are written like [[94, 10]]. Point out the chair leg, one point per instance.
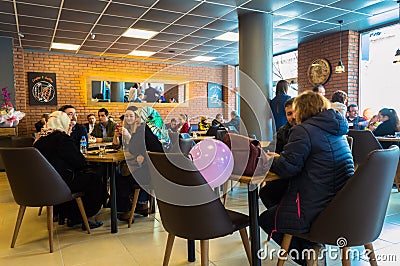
[[21, 213], [168, 249], [40, 211], [134, 202], [285, 248], [83, 214], [232, 183], [371, 254], [152, 202], [225, 195], [313, 260], [246, 244], [345, 251], [204, 247], [50, 226]]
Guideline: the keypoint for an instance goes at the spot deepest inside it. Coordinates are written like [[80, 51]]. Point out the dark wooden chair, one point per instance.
[[363, 143], [370, 186], [35, 183], [204, 220]]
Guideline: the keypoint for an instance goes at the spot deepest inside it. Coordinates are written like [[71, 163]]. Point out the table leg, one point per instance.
[[105, 182], [113, 198], [254, 229], [191, 250]]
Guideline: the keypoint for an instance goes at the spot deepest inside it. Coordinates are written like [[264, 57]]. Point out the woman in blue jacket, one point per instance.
[[316, 161]]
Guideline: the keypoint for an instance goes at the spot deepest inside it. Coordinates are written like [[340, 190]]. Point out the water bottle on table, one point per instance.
[[83, 145]]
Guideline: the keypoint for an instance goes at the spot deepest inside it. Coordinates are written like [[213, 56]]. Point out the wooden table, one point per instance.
[[111, 160], [200, 133], [97, 144], [386, 139], [397, 177], [200, 138], [8, 131]]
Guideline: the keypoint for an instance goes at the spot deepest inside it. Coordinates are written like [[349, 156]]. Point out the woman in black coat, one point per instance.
[[143, 130], [59, 149], [389, 126], [316, 161]]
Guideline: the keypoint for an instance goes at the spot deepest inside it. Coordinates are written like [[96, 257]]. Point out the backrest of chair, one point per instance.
[[363, 143], [33, 180], [180, 144], [350, 141], [191, 221], [185, 136], [221, 134], [358, 210], [19, 142], [186, 145]]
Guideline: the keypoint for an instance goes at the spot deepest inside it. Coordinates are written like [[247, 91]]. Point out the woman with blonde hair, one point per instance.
[[59, 149], [316, 162]]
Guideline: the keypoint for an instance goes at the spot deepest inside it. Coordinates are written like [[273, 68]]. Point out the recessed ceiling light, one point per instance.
[[64, 46], [228, 36], [140, 34], [202, 58], [141, 53]]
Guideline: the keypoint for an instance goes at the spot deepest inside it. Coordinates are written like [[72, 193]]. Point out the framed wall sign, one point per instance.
[[214, 95], [42, 88]]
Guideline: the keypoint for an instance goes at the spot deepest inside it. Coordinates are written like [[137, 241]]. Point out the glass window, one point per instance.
[[285, 67], [378, 74]]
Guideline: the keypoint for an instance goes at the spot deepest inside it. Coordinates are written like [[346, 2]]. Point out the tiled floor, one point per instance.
[[144, 243]]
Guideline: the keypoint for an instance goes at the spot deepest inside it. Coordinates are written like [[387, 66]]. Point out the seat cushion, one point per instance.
[[239, 220]]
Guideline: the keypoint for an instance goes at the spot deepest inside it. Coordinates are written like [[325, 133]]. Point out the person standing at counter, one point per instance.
[[277, 103], [104, 130]]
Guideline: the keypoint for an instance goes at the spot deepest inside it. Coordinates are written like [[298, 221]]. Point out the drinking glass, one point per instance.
[[102, 150]]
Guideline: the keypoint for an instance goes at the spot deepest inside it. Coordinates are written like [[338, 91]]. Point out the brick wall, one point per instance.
[[328, 48], [71, 71]]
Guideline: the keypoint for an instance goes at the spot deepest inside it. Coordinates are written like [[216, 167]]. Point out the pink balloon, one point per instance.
[[214, 160], [203, 154]]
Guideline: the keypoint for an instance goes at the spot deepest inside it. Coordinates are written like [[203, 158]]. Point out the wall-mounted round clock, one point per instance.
[[319, 71]]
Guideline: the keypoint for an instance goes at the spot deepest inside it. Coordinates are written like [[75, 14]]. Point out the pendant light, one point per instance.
[[340, 67], [397, 55]]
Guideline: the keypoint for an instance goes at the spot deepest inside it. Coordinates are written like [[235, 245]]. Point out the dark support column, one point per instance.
[[117, 91], [255, 63], [7, 66]]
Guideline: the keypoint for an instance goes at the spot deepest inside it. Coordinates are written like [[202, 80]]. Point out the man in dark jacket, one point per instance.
[[104, 130], [234, 122], [282, 136], [76, 131], [273, 191], [316, 161]]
